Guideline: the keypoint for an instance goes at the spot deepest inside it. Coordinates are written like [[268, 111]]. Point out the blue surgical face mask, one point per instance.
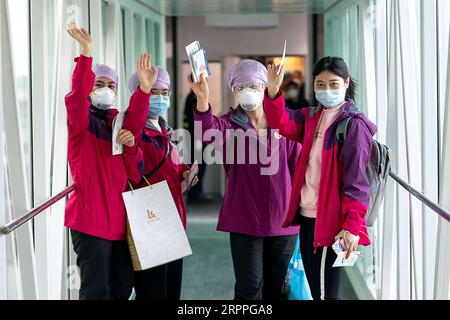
[[331, 98], [158, 105]]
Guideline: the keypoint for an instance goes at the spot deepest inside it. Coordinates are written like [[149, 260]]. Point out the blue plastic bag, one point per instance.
[[296, 285]]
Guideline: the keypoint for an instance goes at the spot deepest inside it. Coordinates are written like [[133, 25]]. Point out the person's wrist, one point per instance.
[[146, 88], [273, 92], [202, 104], [86, 51]]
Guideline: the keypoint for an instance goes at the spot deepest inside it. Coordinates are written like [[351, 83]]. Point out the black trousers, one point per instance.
[[160, 283], [105, 267], [324, 282], [260, 265]]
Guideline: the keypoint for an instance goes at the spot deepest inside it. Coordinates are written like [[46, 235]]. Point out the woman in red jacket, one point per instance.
[[95, 212], [163, 282], [330, 192]]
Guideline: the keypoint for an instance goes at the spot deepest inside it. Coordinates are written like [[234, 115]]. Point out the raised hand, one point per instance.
[[274, 80], [201, 90], [82, 36], [147, 73], [186, 178]]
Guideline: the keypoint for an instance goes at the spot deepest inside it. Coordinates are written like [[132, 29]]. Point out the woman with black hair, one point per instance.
[[330, 192]]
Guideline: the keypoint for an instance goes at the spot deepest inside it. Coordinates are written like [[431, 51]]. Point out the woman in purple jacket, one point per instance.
[[257, 195]]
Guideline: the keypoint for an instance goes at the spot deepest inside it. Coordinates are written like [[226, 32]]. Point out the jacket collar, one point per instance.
[[153, 131], [105, 115], [350, 109], [240, 118]]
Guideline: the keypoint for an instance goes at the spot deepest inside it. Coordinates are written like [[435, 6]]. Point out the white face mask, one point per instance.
[[292, 94], [331, 98], [103, 98], [249, 99]]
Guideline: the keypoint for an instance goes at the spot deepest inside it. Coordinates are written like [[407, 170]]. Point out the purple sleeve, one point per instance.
[[356, 153], [210, 121]]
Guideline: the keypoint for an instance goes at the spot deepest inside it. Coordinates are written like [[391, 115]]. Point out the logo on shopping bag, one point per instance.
[[151, 215], [277, 135]]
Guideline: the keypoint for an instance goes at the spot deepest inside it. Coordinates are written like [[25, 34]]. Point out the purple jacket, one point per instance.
[[254, 204]]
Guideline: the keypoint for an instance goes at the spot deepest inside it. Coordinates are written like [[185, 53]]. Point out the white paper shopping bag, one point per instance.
[[155, 232]]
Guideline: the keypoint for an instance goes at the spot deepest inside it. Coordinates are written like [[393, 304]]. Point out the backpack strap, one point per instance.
[[341, 132]]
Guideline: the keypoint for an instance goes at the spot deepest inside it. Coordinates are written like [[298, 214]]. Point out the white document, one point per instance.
[[156, 227], [198, 60], [350, 262], [185, 186], [199, 64], [193, 48], [117, 126], [282, 59]]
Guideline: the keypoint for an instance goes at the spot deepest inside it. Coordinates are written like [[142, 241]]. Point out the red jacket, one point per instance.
[[96, 206], [153, 145], [344, 191]]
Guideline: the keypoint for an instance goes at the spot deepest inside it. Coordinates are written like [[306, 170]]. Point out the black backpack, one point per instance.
[[377, 171]]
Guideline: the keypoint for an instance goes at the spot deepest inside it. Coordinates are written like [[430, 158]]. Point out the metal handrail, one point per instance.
[[16, 223], [419, 195]]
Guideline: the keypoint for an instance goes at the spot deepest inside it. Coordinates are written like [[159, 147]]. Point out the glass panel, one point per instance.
[[158, 44], [150, 37], [443, 53], [138, 36], [20, 42]]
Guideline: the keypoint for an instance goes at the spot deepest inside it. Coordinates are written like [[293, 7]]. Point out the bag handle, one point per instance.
[[146, 178], [151, 173], [143, 178]]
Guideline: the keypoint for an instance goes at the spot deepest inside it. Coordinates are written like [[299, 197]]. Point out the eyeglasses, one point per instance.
[[102, 85], [163, 92], [241, 87]]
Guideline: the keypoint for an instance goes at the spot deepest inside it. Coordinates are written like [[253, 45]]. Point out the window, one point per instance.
[[20, 48]]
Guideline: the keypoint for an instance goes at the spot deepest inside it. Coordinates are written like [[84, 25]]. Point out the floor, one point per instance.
[[208, 273]]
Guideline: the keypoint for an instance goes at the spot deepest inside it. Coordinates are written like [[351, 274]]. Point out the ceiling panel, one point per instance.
[[206, 7]]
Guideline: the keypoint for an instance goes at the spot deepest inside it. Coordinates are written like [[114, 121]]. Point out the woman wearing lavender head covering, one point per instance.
[[255, 204], [163, 282], [95, 212]]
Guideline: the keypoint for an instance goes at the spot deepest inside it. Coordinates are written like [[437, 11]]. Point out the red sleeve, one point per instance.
[[137, 113], [134, 163], [290, 123], [77, 101]]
